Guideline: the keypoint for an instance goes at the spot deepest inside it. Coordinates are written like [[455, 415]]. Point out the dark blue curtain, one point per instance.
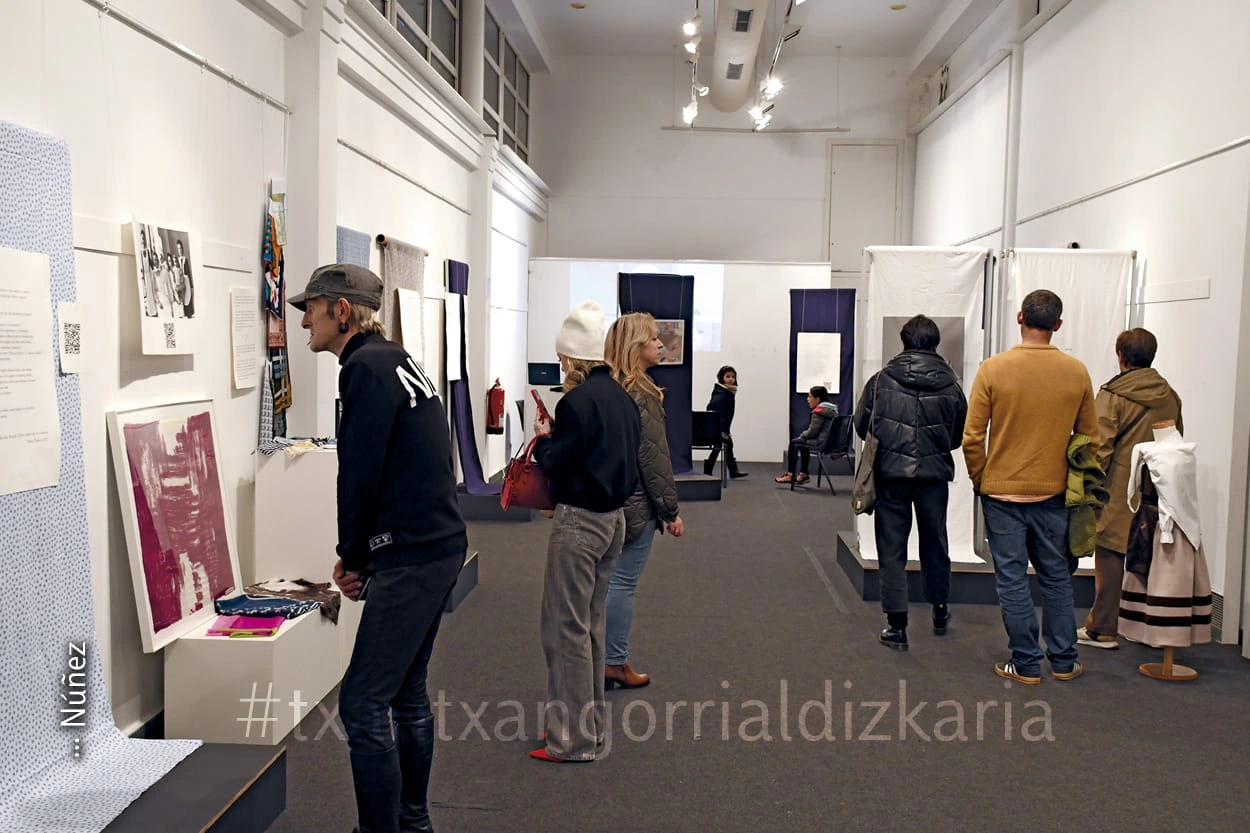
[[461, 405], [668, 297], [822, 311]]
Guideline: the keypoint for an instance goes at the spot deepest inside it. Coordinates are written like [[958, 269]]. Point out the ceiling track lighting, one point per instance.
[[772, 85]]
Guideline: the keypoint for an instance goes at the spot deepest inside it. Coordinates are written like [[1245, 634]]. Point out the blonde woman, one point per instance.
[[633, 346], [590, 455]]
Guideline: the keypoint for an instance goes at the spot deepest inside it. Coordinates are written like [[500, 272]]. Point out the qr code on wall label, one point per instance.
[[171, 339], [71, 338]]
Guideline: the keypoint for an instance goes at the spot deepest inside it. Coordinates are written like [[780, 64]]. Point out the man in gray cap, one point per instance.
[[401, 543]]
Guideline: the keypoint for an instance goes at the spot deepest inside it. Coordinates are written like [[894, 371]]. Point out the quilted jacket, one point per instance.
[[656, 495]]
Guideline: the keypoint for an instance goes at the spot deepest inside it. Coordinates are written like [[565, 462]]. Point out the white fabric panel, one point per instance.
[[1094, 288], [939, 282], [455, 336]]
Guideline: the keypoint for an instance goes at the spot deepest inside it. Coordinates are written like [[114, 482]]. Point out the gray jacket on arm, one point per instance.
[[656, 495]]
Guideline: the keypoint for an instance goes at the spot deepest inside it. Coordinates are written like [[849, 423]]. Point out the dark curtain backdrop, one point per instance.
[[822, 311], [668, 297]]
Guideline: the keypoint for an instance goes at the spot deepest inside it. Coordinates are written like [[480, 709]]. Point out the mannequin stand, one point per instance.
[[1168, 670]]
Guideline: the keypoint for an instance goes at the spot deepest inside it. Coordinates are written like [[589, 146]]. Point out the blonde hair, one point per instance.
[[578, 370], [623, 351]]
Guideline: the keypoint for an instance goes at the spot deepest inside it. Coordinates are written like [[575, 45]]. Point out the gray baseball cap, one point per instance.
[[341, 280]]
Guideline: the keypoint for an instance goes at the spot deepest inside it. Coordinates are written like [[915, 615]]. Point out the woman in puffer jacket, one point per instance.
[[814, 438], [631, 348]]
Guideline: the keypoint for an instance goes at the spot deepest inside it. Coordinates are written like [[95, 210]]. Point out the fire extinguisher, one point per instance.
[[494, 409]]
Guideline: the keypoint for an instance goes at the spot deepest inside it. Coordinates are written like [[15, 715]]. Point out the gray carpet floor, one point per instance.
[[751, 603]]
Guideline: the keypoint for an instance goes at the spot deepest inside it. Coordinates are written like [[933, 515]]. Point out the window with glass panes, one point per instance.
[[433, 29], [506, 91]]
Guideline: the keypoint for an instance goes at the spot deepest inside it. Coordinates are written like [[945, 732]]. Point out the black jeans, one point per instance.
[[892, 525], [801, 453], [731, 462], [384, 686]]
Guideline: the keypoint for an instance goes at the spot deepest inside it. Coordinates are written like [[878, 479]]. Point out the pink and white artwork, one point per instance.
[[177, 520]]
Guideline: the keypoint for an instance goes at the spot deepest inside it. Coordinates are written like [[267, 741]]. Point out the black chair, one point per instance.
[[837, 446], [705, 433]]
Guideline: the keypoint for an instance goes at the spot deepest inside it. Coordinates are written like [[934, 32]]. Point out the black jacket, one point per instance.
[[920, 416], [722, 402], [591, 457], [656, 494], [396, 485]]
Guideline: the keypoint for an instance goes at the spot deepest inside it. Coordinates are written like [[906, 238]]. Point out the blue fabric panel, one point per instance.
[[668, 297], [822, 311], [45, 568]]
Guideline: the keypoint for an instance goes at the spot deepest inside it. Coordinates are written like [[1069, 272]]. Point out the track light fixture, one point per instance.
[[691, 27], [771, 87], [690, 111], [702, 90], [692, 45]]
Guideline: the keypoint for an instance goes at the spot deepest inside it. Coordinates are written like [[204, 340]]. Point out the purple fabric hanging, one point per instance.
[[822, 311], [461, 405]]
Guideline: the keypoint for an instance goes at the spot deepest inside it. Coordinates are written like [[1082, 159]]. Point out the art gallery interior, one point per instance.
[[169, 171]]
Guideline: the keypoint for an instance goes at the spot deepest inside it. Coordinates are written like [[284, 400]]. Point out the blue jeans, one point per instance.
[[621, 594], [1037, 533]]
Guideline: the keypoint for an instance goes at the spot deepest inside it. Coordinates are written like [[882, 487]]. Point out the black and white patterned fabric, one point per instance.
[[64, 765]]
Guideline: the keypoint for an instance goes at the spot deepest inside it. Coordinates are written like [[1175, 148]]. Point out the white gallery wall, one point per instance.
[[960, 166], [625, 188], [378, 149], [1099, 109], [754, 332], [149, 133]]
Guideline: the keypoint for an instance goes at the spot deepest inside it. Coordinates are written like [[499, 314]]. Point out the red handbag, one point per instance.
[[525, 484]]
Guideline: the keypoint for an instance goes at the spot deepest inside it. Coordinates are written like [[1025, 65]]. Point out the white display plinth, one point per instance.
[[251, 690]]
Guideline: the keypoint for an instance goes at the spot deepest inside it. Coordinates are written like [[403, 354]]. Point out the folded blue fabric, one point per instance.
[[264, 606]]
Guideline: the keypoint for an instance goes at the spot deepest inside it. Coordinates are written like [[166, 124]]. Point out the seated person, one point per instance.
[[814, 438]]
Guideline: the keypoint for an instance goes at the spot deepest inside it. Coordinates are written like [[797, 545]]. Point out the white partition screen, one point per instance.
[[948, 285], [1095, 287]]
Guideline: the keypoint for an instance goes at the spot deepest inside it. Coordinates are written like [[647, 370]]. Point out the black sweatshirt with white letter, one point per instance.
[[396, 485]]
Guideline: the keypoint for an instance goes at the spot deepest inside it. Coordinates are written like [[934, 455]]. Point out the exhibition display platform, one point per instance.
[[218, 788], [972, 580], [487, 508], [695, 485]]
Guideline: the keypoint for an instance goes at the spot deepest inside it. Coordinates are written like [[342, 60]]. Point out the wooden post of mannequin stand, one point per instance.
[[1167, 670]]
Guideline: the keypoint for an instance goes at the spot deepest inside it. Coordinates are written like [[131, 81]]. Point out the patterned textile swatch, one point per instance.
[[352, 246]]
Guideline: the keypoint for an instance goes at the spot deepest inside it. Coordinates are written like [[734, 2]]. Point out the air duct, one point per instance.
[[732, 88]]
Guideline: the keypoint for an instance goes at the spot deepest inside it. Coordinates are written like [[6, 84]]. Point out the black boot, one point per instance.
[[709, 465], [416, 753], [895, 634], [941, 618], [376, 778]]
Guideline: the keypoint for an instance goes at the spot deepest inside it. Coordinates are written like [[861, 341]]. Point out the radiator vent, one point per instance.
[[742, 20], [1217, 616], [734, 73]]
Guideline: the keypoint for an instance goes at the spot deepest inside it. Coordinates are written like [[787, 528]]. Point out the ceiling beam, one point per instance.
[[952, 27]]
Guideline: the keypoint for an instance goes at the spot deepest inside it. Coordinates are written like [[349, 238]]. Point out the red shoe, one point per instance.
[[782, 478], [544, 755]]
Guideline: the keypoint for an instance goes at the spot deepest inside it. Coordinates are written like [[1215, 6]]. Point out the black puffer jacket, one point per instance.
[[920, 416], [723, 402], [656, 494]]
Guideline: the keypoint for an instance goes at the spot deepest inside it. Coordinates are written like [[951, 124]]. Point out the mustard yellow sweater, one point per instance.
[[1032, 398]]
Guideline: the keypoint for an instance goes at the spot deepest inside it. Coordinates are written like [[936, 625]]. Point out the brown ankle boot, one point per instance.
[[623, 676]]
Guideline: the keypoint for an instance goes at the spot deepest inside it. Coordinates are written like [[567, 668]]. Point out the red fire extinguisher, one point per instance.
[[494, 409]]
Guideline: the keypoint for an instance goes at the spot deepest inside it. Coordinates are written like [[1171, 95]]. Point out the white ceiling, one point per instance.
[[653, 27]]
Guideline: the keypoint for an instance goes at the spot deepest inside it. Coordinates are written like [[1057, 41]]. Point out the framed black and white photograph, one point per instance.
[[167, 267]]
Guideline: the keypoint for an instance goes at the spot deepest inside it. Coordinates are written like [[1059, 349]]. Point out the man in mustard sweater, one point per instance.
[[1033, 397]]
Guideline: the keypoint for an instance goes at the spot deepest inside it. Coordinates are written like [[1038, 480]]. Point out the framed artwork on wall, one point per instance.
[[673, 334], [167, 266], [177, 519]]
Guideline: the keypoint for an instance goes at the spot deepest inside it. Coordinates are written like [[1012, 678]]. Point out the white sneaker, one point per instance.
[[1095, 640]]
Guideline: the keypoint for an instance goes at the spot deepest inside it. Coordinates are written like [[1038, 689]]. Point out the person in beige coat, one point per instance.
[[1127, 406], [633, 347]]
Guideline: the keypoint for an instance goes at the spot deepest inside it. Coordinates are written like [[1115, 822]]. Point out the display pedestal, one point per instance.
[[250, 690], [1168, 670]]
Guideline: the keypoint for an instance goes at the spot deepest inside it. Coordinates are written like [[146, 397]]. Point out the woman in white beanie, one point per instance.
[[590, 454], [633, 346]]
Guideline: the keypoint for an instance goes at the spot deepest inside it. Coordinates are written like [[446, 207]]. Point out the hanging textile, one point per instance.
[[274, 294], [458, 379], [352, 246], [669, 298], [948, 285], [55, 699], [403, 291]]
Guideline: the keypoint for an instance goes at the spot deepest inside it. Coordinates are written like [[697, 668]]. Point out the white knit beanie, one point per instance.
[[581, 335]]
